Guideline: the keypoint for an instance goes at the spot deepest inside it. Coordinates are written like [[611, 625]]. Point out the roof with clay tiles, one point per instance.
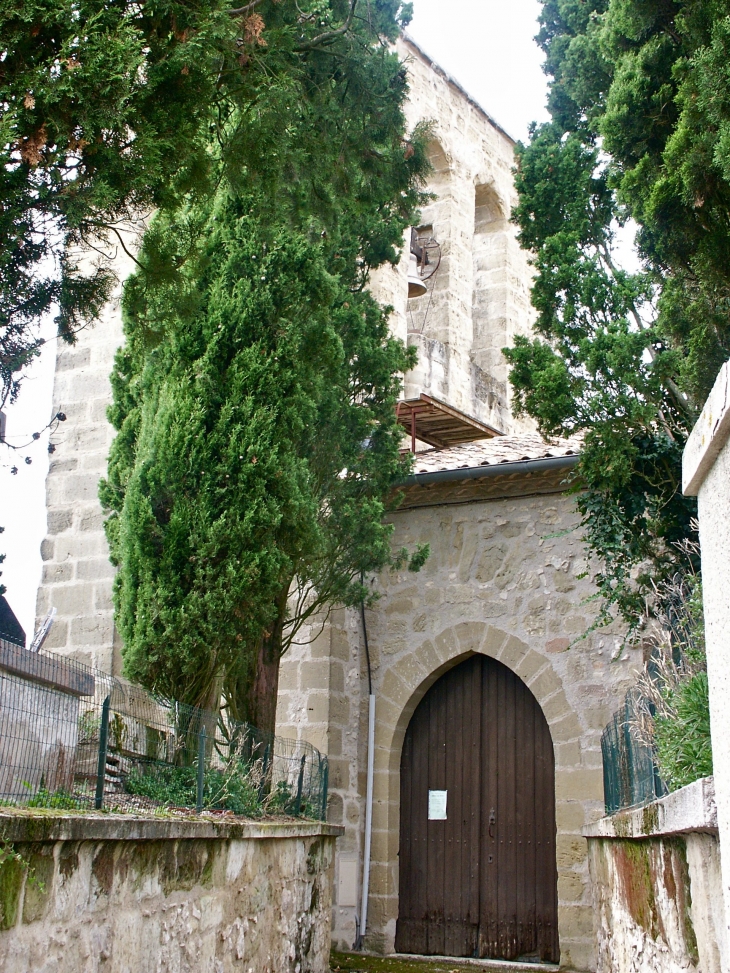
[[494, 452]]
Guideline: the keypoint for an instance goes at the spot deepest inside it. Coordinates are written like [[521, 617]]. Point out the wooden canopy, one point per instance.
[[432, 421]]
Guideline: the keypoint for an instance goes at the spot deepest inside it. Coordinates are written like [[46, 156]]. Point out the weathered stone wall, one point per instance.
[[706, 475], [120, 894], [77, 575], [503, 579], [656, 873]]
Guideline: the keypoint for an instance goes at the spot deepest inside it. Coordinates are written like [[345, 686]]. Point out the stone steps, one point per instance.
[[407, 963], [491, 965]]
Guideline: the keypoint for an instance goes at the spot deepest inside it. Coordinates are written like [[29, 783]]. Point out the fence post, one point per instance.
[[264, 772], [101, 766], [298, 804], [201, 768], [325, 784]]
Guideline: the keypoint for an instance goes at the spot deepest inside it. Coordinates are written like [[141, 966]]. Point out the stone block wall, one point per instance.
[[479, 299], [116, 894], [504, 578], [77, 575]]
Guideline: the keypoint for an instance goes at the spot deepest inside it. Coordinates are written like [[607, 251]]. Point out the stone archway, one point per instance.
[[401, 688]]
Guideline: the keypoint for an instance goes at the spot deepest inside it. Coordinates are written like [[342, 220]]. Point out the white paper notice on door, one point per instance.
[[437, 805]]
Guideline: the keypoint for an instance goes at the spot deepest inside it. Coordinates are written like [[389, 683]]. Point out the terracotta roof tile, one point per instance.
[[492, 452]]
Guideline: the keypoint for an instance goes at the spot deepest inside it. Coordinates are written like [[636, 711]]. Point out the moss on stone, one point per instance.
[[621, 824], [190, 864], [642, 866], [650, 819], [102, 867], [683, 894], [38, 828], [68, 859], [633, 864], [38, 886], [212, 850], [141, 859], [12, 875], [314, 856]]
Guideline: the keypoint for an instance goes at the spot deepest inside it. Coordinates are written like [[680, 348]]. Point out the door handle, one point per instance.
[[492, 822]]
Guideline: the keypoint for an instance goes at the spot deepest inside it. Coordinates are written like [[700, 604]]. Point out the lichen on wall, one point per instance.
[[643, 892]]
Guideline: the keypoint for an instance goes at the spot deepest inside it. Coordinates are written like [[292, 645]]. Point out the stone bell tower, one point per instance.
[[478, 279]]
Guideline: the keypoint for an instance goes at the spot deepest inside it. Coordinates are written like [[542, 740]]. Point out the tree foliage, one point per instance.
[[255, 395], [108, 110], [640, 121]]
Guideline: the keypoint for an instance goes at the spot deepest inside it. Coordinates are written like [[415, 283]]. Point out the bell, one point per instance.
[[416, 287]]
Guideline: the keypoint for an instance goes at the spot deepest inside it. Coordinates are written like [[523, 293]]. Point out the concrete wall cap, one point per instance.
[[690, 809], [25, 826], [709, 435], [65, 675]]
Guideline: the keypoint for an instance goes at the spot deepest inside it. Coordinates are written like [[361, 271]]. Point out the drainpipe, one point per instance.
[[369, 793]]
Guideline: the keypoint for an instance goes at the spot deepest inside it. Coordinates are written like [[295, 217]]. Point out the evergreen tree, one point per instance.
[[255, 395], [640, 115], [107, 110]]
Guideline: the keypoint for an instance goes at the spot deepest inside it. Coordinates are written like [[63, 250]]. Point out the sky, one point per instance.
[[486, 45]]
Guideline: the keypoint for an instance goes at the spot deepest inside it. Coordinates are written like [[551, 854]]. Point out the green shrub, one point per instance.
[[164, 783], [229, 789], [61, 800], [682, 738]]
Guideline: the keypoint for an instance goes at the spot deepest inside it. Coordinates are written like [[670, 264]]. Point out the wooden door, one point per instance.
[[483, 881]]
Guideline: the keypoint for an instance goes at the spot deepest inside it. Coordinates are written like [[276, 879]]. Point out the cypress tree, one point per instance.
[[639, 130], [255, 394]]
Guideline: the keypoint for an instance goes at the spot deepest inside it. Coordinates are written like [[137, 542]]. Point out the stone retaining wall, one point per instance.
[[657, 884], [82, 894]]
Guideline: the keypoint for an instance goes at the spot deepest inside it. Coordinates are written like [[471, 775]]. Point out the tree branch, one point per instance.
[[331, 34], [680, 399], [115, 231], [244, 10]]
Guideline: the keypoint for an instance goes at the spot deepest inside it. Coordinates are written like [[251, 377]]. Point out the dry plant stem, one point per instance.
[[673, 658]]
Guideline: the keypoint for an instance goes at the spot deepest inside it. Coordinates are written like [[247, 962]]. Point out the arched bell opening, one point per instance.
[[428, 306], [490, 280]]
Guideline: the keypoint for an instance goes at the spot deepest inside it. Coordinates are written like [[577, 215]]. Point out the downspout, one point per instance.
[[362, 927]]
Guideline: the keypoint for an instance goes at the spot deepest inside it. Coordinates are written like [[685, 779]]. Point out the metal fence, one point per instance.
[[75, 737], [630, 775]]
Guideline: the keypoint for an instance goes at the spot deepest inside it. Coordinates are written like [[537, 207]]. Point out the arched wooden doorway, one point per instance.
[[478, 877]]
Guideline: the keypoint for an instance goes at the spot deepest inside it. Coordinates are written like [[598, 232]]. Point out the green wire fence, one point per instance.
[[75, 737], [630, 775]]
